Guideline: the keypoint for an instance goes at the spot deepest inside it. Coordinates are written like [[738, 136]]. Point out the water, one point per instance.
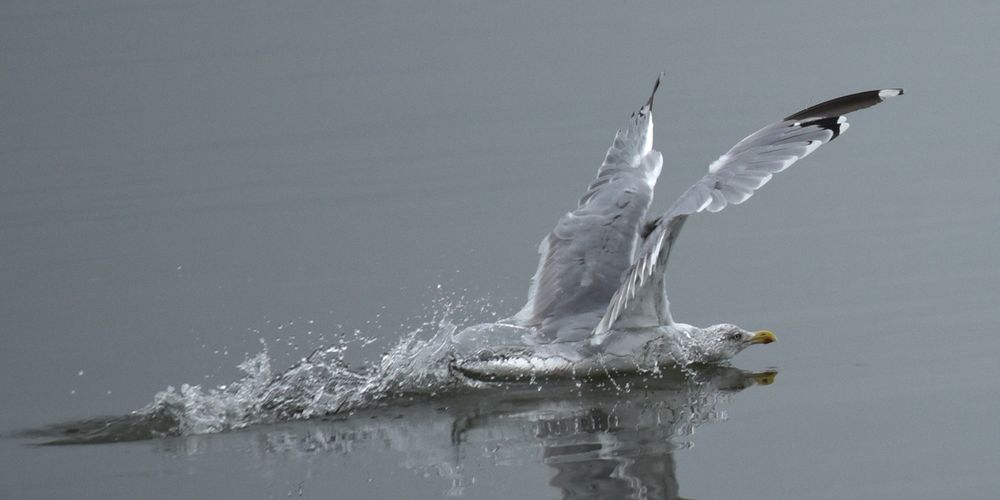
[[181, 181]]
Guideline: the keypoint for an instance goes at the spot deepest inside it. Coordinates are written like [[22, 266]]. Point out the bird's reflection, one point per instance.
[[609, 445], [605, 439]]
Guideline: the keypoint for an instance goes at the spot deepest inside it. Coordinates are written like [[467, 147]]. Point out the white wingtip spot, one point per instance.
[[887, 93]]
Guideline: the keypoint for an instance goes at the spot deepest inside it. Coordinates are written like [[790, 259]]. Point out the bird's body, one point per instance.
[[597, 300], [502, 351]]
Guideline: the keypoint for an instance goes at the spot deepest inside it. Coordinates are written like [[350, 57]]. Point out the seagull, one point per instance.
[[598, 296]]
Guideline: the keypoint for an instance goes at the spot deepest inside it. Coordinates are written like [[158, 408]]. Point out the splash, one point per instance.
[[319, 385]]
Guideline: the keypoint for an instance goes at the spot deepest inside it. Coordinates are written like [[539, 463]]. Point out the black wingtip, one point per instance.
[[846, 104], [649, 102], [831, 123]]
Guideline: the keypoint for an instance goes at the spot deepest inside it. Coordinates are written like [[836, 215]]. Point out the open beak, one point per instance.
[[763, 337]]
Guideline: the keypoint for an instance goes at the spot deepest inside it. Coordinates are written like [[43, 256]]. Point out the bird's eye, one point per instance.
[[733, 335]]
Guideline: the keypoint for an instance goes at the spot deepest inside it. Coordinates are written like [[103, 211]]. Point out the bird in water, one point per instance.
[[598, 300]]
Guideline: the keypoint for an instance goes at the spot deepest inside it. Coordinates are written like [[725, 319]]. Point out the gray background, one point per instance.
[[179, 180]]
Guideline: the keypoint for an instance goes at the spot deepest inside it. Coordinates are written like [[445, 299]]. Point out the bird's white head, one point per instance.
[[724, 341]]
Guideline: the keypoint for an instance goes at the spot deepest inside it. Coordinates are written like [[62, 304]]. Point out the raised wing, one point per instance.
[[641, 300], [583, 258]]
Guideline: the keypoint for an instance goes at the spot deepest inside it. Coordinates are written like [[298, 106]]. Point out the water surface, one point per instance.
[[182, 180]]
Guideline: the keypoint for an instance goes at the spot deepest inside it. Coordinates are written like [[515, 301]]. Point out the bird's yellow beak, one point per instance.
[[763, 337], [764, 378]]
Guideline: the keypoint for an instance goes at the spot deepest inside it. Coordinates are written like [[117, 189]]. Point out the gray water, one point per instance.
[[184, 182]]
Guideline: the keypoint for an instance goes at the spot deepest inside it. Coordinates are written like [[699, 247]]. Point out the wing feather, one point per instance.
[[583, 258], [641, 300]]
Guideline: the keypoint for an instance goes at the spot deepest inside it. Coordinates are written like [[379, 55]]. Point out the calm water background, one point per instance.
[[181, 180]]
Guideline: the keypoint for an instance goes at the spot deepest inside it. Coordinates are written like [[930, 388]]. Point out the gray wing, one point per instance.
[[583, 259], [641, 300]]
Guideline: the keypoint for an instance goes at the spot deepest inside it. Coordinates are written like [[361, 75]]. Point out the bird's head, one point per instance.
[[725, 341]]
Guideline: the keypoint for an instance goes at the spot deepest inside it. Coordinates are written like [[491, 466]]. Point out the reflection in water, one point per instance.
[[609, 439], [605, 446]]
